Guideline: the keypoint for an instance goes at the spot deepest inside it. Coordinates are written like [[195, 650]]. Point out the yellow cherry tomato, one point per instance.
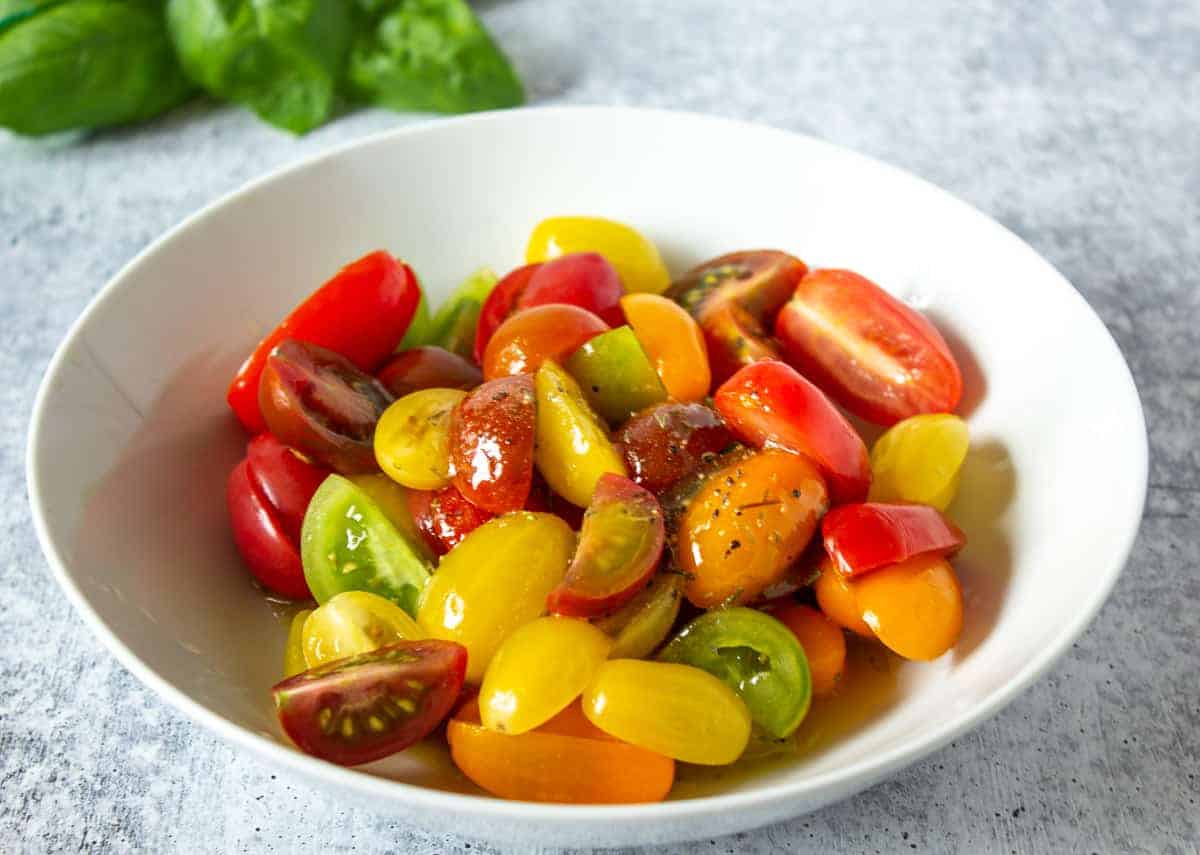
[[293, 652], [538, 671], [412, 439], [354, 622], [573, 449], [675, 710], [392, 499], [918, 460], [673, 341], [915, 607], [635, 258], [494, 581], [641, 625]]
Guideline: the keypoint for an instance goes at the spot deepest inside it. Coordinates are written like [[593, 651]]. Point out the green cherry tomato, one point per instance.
[[348, 543], [453, 327], [757, 656], [616, 375]]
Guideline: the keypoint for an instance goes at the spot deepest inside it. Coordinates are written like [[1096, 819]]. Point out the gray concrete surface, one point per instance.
[[1076, 124]]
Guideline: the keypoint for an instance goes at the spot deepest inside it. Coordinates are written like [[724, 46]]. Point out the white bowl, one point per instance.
[[131, 441]]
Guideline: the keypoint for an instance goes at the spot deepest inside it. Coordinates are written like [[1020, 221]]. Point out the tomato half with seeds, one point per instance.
[[428, 367], [499, 304], [492, 435], [670, 441], [445, 517], [319, 403], [364, 708], [532, 336], [583, 279], [861, 538], [877, 357]]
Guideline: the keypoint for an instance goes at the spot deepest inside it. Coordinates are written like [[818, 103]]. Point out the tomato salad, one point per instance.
[[594, 521]]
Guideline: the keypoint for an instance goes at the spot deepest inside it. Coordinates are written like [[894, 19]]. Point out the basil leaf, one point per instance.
[[280, 58], [87, 64], [429, 55], [14, 11]]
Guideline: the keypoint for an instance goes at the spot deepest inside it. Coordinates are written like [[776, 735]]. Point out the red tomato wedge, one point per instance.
[[865, 537], [768, 404], [428, 367], [583, 279], [285, 479], [499, 305], [877, 357], [491, 443], [366, 707], [265, 548], [444, 517], [619, 548], [361, 313]]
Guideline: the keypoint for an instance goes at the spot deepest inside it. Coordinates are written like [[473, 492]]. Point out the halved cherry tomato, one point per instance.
[[734, 298], [543, 499], [530, 337], [635, 258], [499, 304], [492, 436], [583, 279], [293, 651], [392, 499], [835, 596], [456, 323], [285, 479], [769, 404], [669, 441], [870, 352], [642, 624], [673, 341], [364, 708], [746, 525], [568, 759], [412, 440], [616, 375], [317, 402], [265, 547], [918, 460], [445, 517], [618, 552], [354, 622], [915, 608], [428, 367], [823, 641], [860, 538], [361, 313]]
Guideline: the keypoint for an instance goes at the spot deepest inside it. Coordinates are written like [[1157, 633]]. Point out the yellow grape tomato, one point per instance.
[[354, 622], [293, 652], [634, 256], [918, 460], [412, 439], [538, 671]]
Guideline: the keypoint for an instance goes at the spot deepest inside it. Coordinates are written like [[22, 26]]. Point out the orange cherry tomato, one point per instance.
[[822, 639], [531, 336], [915, 607], [673, 341], [836, 598], [567, 759]]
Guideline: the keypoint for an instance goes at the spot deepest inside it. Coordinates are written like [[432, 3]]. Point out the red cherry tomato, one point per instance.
[[583, 279], [427, 367], [769, 404], [491, 443], [271, 556], [532, 336], [667, 442], [499, 305], [366, 707], [361, 313], [444, 516], [871, 353], [865, 537], [285, 479]]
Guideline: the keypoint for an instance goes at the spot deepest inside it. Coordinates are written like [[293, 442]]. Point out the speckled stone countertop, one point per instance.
[[1076, 124]]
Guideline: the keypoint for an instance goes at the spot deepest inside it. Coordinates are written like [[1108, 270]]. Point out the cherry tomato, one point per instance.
[[354, 622], [285, 479], [567, 759], [573, 449], [835, 596], [293, 651], [392, 500], [499, 304], [673, 341], [642, 624], [676, 710], [428, 367], [616, 375], [669, 441], [878, 358], [412, 441], [265, 547], [494, 581], [756, 656], [769, 404], [823, 641], [918, 460], [915, 608], [583, 279], [317, 402], [538, 671], [635, 258], [356, 710], [361, 313], [529, 338], [492, 436], [542, 498], [861, 538], [734, 298], [747, 524], [619, 549], [445, 517], [456, 323]]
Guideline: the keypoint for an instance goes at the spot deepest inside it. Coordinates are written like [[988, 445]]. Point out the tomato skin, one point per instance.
[[356, 710], [643, 623], [615, 375], [428, 367], [673, 341], [583, 279], [864, 537], [530, 337], [492, 434], [285, 479], [915, 608], [499, 304], [918, 460], [361, 313], [853, 340], [823, 642], [444, 517], [352, 623], [835, 596], [770, 404], [634, 256], [412, 439], [265, 548], [669, 441], [293, 651]]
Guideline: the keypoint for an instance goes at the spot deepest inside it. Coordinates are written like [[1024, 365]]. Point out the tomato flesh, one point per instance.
[[861, 538], [354, 622], [428, 367], [673, 341], [670, 441], [264, 546], [823, 641], [615, 375], [643, 623], [412, 439], [356, 710], [444, 517], [491, 443], [533, 336], [583, 279]]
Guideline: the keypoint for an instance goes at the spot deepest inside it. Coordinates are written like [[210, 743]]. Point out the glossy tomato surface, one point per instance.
[[499, 304], [863, 537], [285, 479], [444, 517], [634, 256], [260, 538], [428, 367], [492, 436], [583, 279], [530, 337], [669, 441]]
